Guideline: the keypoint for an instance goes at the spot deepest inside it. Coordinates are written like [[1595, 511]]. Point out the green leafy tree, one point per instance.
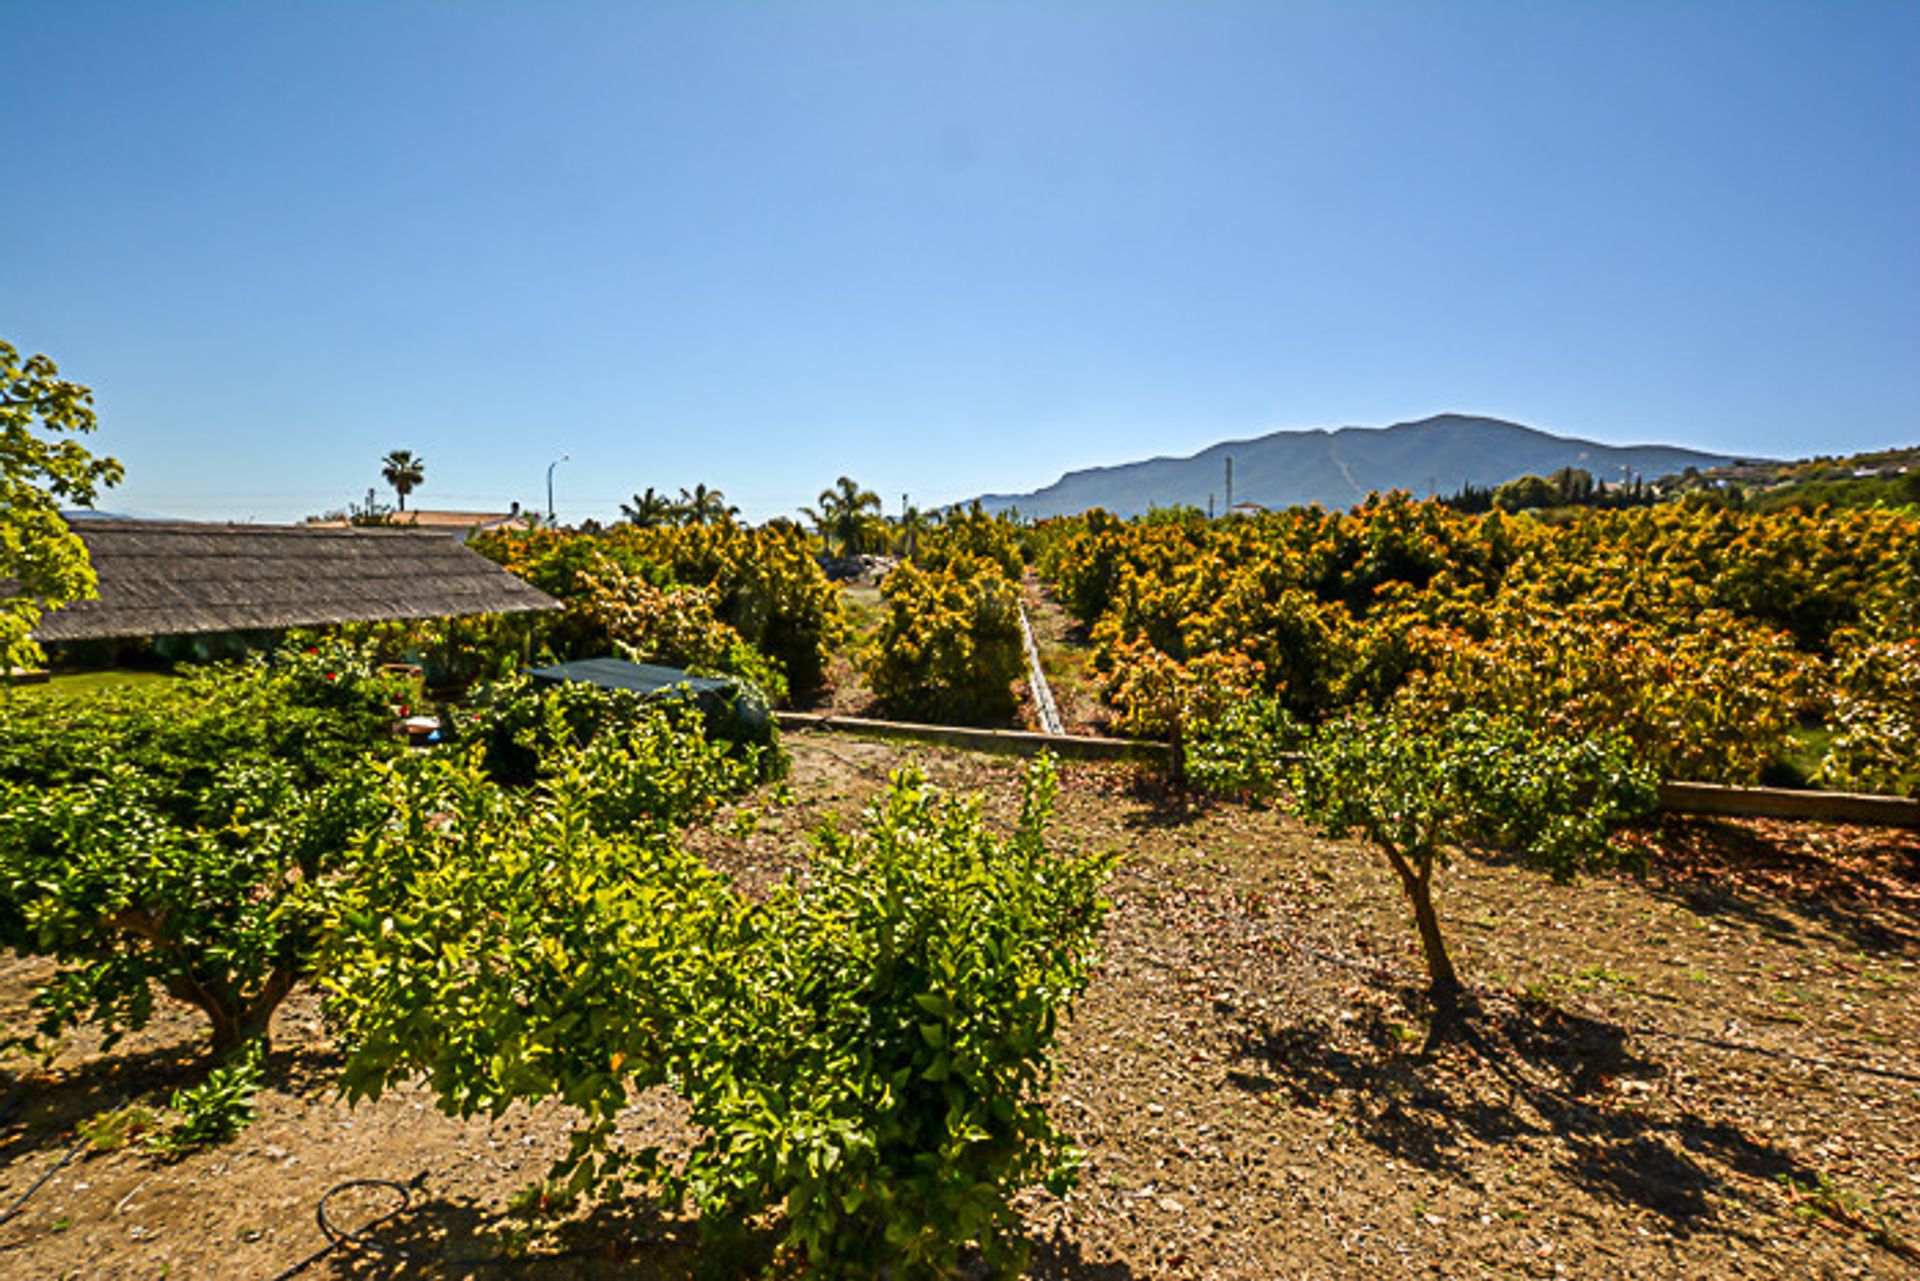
[[703, 506], [845, 516], [1417, 794], [649, 510], [43, 564], [865, 1053], [875, 1060], [166, 838], [949, 648], [1525, 493], [404, 472]]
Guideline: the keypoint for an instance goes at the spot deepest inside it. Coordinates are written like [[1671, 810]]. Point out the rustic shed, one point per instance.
[[164, 578]]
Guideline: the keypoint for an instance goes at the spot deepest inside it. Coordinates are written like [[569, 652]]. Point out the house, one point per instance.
[[168, 579], [463, 525]]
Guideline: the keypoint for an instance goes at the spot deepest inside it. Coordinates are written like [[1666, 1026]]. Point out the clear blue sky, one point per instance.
[[945, 248]]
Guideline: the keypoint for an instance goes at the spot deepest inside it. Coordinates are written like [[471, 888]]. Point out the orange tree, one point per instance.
[[949, 647], [864, 1054], [164, 837], [1707, 636], [762, 583], [1416, 793]]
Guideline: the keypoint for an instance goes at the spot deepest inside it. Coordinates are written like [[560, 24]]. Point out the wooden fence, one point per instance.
[[1675, 798]]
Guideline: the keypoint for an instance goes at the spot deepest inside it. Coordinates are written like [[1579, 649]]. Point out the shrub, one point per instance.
[[525, 730], [949, 647], [875, 1067], [865, 1052], [763, 583], [165, 836], [1876, 716]]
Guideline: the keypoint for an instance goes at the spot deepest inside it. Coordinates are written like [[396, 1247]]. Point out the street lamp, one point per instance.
[[550, 466]]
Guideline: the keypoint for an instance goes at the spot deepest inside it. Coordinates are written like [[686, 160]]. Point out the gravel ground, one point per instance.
[[1661, 1074]]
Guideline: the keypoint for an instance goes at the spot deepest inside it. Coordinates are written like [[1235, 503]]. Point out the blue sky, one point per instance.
[[943, 248]]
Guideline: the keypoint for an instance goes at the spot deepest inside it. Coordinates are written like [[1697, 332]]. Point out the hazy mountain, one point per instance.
[[1338, 468]]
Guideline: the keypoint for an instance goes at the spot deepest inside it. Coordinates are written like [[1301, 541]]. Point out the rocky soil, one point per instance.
[[1709, 1071]]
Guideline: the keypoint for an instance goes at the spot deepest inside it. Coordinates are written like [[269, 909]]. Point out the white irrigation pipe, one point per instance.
[[1037, 679]]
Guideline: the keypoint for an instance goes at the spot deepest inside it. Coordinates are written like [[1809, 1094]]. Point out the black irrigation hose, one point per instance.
[[359, 1238], [21, 1200], [1639, 1029], [79, 1145]]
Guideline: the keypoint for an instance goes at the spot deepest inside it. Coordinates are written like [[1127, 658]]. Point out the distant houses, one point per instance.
[[463, 525]]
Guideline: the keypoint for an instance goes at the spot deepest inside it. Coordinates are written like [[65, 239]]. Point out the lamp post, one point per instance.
[[550, 466]]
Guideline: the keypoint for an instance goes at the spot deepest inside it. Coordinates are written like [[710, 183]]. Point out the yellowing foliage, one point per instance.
[[1705, 636]]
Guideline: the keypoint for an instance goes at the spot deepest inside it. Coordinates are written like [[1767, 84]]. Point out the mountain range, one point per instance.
[[1337, 469]]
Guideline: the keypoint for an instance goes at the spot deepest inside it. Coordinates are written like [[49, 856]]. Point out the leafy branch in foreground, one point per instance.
[[43, 564]]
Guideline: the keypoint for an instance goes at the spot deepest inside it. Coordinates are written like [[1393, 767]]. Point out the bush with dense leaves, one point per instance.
[[763, 583], [949, 647], [973, 535], [1875, 716], [865, 1052], [875, 1061], [1707, 636], [525, 730], [164, 836]]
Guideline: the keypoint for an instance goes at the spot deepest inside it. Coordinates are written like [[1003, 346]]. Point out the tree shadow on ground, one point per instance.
[[1161, 804], [1059, 1258], [1516, 1072], [1868, 897], [43, 1107], [431, 1237]]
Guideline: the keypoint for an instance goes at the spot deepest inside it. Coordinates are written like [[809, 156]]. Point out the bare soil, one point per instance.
[[1066, 656], [1660, 1074]]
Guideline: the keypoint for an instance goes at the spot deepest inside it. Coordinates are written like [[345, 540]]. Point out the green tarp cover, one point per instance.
[[618, 673]]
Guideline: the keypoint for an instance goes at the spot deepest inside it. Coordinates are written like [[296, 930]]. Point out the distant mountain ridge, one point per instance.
[[1337, 469]]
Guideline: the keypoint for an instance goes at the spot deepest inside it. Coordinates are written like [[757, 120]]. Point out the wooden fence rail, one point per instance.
[[1675, 798]]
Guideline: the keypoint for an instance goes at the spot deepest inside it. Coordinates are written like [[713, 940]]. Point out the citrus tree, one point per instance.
[[864, 1053], [164, 839], [949, 648], [43, 564], [1417, 793]]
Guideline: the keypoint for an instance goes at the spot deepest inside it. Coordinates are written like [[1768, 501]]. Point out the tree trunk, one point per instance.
[[1443, 983], [235, 1020]]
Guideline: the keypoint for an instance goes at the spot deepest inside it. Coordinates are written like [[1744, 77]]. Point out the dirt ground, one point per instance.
[[1066, 657], [1707, 1072]]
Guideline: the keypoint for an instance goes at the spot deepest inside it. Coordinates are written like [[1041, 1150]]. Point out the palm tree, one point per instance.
[[842, 514], [404, 472], [649, 510], [912, 523], [705, 506]]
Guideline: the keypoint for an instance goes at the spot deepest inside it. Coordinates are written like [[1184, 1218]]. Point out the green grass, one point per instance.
[[865, 611], [89, 682]]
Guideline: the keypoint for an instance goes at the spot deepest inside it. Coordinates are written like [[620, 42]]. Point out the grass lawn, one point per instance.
[[88, 682]]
